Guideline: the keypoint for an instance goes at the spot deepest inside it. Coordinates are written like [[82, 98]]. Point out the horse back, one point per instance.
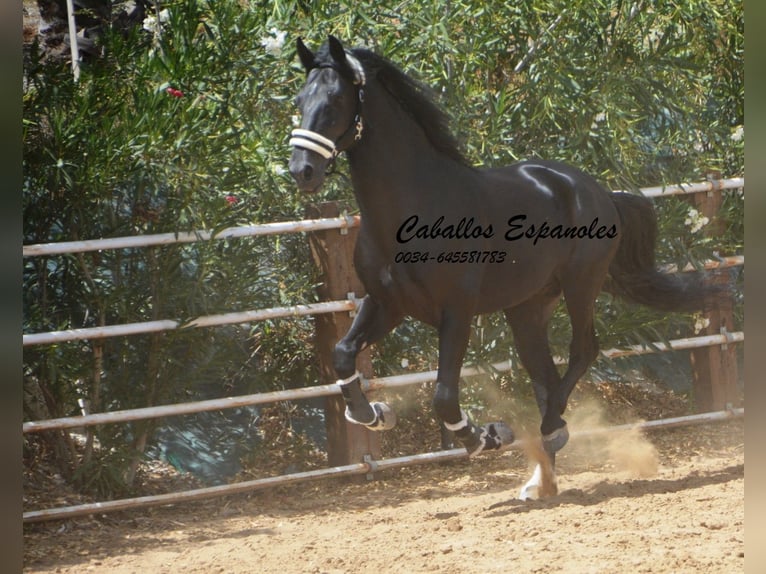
[[552, 189]]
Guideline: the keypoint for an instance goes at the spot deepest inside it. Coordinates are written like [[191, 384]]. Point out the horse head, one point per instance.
[[330, 106]]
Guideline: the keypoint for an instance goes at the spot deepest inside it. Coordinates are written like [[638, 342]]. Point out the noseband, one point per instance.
[[310, 140]]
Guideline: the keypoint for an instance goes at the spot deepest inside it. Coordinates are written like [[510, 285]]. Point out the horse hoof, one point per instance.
[[542, 485], [554, 442], [385, 417], [492, 436], [498, 436]]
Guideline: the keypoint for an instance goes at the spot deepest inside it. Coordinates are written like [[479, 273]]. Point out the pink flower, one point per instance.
[[175, 93], [231, 199]]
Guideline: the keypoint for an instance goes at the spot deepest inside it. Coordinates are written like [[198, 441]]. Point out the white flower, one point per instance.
[[296, 119], [695, 221], [152, 24], [738, 134], [277, 169], [405, 363], [273, 44]]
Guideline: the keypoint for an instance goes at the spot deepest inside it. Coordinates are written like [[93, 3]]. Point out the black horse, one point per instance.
[[442, 241]]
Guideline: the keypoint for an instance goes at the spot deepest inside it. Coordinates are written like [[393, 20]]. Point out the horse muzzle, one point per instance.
[[308, 170]]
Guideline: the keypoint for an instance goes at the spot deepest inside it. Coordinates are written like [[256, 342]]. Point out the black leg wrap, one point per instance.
[[447, 437], [471, 438], [385, 418], [498, 435], [358, 408], [492, 436], [376, 416]]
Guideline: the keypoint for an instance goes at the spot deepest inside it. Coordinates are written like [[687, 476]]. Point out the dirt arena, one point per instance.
[[667, 501]]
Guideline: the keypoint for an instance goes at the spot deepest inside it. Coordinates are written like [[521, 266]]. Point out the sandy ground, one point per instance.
[[668, 501]]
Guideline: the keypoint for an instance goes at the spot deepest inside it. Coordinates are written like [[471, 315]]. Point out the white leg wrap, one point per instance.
[[385, 417], [351, 419], [465, 422], [351, 379], [531, 490], [461, 424], [492, 436], [538, 486], [479, 448]]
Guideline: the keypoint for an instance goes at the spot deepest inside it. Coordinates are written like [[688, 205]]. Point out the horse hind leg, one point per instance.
[[543, 483], [582, 352], [580, 292], [580, 299], [583, 349], [529, 323]]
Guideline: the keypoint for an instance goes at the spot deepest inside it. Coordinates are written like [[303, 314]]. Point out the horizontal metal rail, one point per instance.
[[169, 324], [84, 333], [333, 389], [274, 228], [366, 467], [279, 227], [721, 263], [632, 350], [701, 187]]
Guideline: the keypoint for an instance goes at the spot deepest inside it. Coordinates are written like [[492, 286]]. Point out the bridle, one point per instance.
[[328, 149]]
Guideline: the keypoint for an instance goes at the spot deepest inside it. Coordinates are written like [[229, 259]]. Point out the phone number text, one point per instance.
[[450, 257]]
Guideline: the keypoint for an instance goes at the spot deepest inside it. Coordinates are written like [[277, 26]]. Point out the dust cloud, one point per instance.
[[627, 450]]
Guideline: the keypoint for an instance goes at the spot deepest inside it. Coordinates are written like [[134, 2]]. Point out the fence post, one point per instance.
[[714, 368], [332, 251]]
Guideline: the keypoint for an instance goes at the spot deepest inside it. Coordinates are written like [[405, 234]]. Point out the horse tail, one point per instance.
[[633, 272]]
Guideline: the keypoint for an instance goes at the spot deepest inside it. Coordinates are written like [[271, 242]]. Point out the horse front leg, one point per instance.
[[454, 333], [372, 322]]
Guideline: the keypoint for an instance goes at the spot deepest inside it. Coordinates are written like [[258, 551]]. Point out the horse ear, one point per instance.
[[337, 51], [306, 56]]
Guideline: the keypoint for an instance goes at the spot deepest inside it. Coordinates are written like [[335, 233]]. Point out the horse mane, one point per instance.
[[415, 97]]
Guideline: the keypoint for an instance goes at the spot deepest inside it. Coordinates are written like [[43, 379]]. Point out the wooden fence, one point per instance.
[[352, 449]]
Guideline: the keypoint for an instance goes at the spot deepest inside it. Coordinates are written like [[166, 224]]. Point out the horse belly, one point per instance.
[[516, 279]]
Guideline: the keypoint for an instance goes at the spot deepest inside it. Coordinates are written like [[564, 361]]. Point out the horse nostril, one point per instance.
[[308, 171]]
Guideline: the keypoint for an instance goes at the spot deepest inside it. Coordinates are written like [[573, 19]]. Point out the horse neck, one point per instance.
[[394, 167]]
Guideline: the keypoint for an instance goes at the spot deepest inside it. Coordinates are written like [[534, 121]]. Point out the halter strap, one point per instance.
[[313, 141]]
